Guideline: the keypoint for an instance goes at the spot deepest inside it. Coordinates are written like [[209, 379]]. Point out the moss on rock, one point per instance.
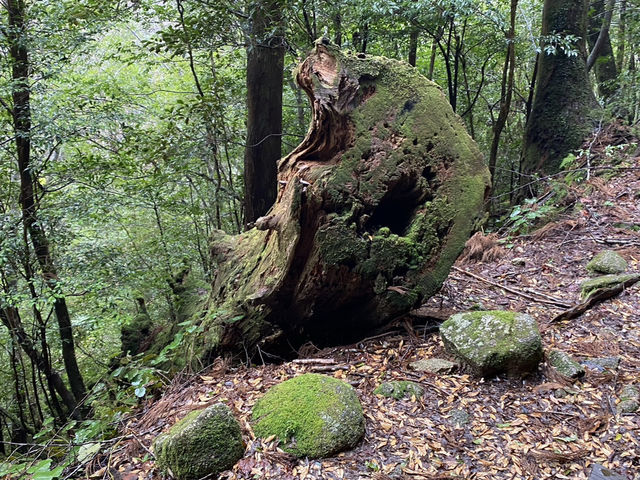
[[565, 365], [494, 342], [590, 286], [312, 415], [607, 262], [204, 443], [399, 389]]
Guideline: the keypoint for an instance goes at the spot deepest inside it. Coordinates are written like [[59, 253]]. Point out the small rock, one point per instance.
[[399, 389], [494, 342], [433, 365], [566, 366], [598, 472], [607, 262], [460, 417], [518, 262], [606, 281], [602, 364], [629, 399]]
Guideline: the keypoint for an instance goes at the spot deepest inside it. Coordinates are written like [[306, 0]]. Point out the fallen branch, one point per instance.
[[539, 297], [596, 297]]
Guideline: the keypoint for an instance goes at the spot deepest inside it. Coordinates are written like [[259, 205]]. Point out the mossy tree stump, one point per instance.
[[373, 208]]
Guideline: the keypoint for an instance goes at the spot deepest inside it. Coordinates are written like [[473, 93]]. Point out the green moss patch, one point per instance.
[[312, 415], [204, 443], [565, 365], [589, 287]]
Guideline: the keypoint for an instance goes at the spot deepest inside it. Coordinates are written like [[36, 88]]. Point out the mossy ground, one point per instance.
[[312, 415], [399, 389]]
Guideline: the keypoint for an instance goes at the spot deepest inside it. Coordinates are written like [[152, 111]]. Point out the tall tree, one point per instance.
[[563, 104], [20, 111], [265, 67]]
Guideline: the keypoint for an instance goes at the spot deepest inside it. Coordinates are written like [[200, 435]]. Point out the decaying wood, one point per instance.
[[374, 207], [595, 298]]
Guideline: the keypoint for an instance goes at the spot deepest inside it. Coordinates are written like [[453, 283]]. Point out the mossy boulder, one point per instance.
[[312, 415], [204, 443], [566, 366], [607, 262], [135, 333], [494, 342], [589, 287], [399, 389]]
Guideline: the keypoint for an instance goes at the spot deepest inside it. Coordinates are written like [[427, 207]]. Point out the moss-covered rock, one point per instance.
[[590, 286], [312, 415], [629, 399], [399, 389], [494, 342], [204, 443], [135, 333], [607, 262], [566, 366]]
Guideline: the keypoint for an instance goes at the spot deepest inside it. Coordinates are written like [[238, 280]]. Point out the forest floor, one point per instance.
[[540, 427]]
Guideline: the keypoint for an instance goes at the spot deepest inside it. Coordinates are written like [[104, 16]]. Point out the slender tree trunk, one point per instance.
[[622, 34], [413, 46], [265, 65], [602, 58], [337, 24], [564, 104], [22, 125], [508, 73], [432, 59], [10, 317]]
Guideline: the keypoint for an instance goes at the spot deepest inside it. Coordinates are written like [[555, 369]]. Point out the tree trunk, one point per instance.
[[508, 73], [375, 205], [22, 125], [265, 66], [602, 58], [563, 107], [413, 46]]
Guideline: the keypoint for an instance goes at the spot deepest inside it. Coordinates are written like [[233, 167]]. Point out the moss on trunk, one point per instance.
[[374, 207]]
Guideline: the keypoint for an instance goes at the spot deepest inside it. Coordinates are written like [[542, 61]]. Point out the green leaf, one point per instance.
[[140, 392]]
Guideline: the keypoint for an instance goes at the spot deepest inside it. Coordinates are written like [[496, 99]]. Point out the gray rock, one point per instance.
[[607, 262], [566, 366], [494, 342], [399, 389], [433, 365], [460, 417], [629, 399], [598, 472], [518, 261], [602, 364], [204, 443]]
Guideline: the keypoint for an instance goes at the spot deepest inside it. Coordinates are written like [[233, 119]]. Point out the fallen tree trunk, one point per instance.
[[374, 207]]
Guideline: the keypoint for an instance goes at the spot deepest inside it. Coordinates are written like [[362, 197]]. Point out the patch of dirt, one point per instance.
[[540, 427]]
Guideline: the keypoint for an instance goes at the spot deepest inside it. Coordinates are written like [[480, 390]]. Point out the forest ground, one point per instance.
[[540, 427]]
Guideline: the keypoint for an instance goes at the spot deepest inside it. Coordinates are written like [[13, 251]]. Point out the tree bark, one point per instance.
[[601, 58], [413, 46], [19, 55], [375, 205], [563, 107], [265, 65]]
